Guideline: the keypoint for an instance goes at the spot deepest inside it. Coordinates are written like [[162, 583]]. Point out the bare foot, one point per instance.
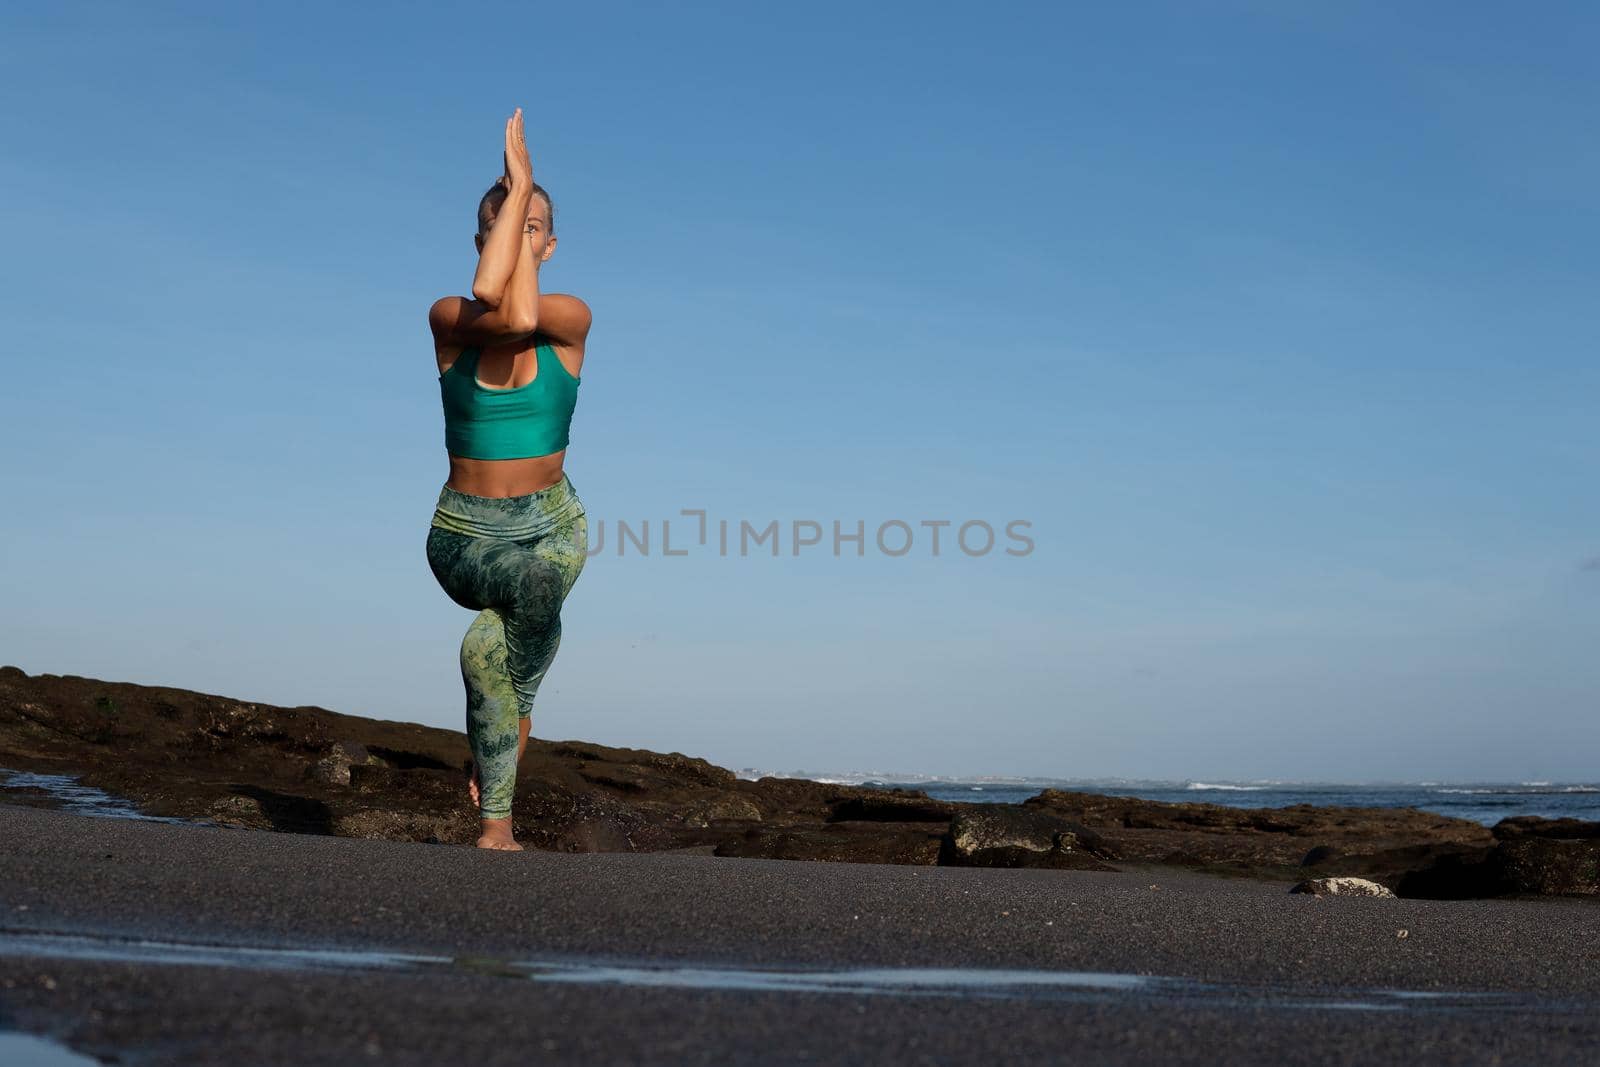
[[472, 783], [497, 834]]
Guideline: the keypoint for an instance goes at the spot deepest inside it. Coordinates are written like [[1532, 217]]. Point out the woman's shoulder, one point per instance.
[[563, 298], [447, 309], [564, 320], [443, 315]]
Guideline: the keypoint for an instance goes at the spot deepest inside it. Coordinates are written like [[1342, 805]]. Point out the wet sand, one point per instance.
[[448, 954]]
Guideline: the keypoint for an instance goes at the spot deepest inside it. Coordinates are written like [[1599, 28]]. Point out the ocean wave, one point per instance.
[[1214, 785], [1521, 790]]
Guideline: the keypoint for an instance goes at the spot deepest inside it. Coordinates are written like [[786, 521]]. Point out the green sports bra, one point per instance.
[[485, 423]]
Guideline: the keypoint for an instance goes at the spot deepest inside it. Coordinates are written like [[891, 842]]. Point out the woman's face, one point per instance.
[[536, 225]]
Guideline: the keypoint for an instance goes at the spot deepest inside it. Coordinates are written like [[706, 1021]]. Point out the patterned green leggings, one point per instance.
[[513, 560]]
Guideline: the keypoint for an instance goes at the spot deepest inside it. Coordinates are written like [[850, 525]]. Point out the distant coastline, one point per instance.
[[1480, 801]]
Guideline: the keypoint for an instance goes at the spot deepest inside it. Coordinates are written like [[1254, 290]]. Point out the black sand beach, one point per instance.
[[1234, 970]]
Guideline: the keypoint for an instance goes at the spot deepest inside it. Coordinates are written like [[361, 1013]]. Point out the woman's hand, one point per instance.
[[519, 171], [502, 251]]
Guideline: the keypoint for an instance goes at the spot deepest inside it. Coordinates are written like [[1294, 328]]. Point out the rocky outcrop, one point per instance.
[[1382, 844], [1547, 865], [311, 770], [891, 806], [731, 809], [334, 768], [1531, 856], [1534, 826], [1009, 835]]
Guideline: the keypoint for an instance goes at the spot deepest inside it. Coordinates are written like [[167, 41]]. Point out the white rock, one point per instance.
[[1342, 887]]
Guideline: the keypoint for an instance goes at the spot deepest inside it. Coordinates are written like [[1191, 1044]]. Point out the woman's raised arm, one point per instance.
[[458, 321], [501, 249], [505, 304], [521, 301]]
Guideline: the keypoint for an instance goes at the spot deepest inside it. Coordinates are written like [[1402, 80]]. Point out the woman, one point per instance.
[[509, 534]]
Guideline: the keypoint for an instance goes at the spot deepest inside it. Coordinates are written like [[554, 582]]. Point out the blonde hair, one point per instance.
[[490, 203]]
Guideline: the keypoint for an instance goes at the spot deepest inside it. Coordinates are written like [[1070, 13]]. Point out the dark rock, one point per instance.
[[1378, 842], [1055, 859], [331, 770], [1452, 874], [239, 811], [598, 836], [693, 768], [393, 757], [897, 806], [1320, 854], [576, 751], [1520, 864], [621, 780], [1547, 865], [995, 834], [334, 768], [735, 809], [1536, 826], [372, 777]]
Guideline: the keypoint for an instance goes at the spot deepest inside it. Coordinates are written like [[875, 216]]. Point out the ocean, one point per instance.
[[1484, 802]]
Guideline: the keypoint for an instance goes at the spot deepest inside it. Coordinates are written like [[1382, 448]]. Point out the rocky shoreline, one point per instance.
[[307, 769]]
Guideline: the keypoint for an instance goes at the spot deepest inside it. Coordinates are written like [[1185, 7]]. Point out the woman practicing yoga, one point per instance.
[[509, 535]]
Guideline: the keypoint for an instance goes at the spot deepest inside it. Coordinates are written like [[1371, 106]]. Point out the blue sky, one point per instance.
[[1273, 321]]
